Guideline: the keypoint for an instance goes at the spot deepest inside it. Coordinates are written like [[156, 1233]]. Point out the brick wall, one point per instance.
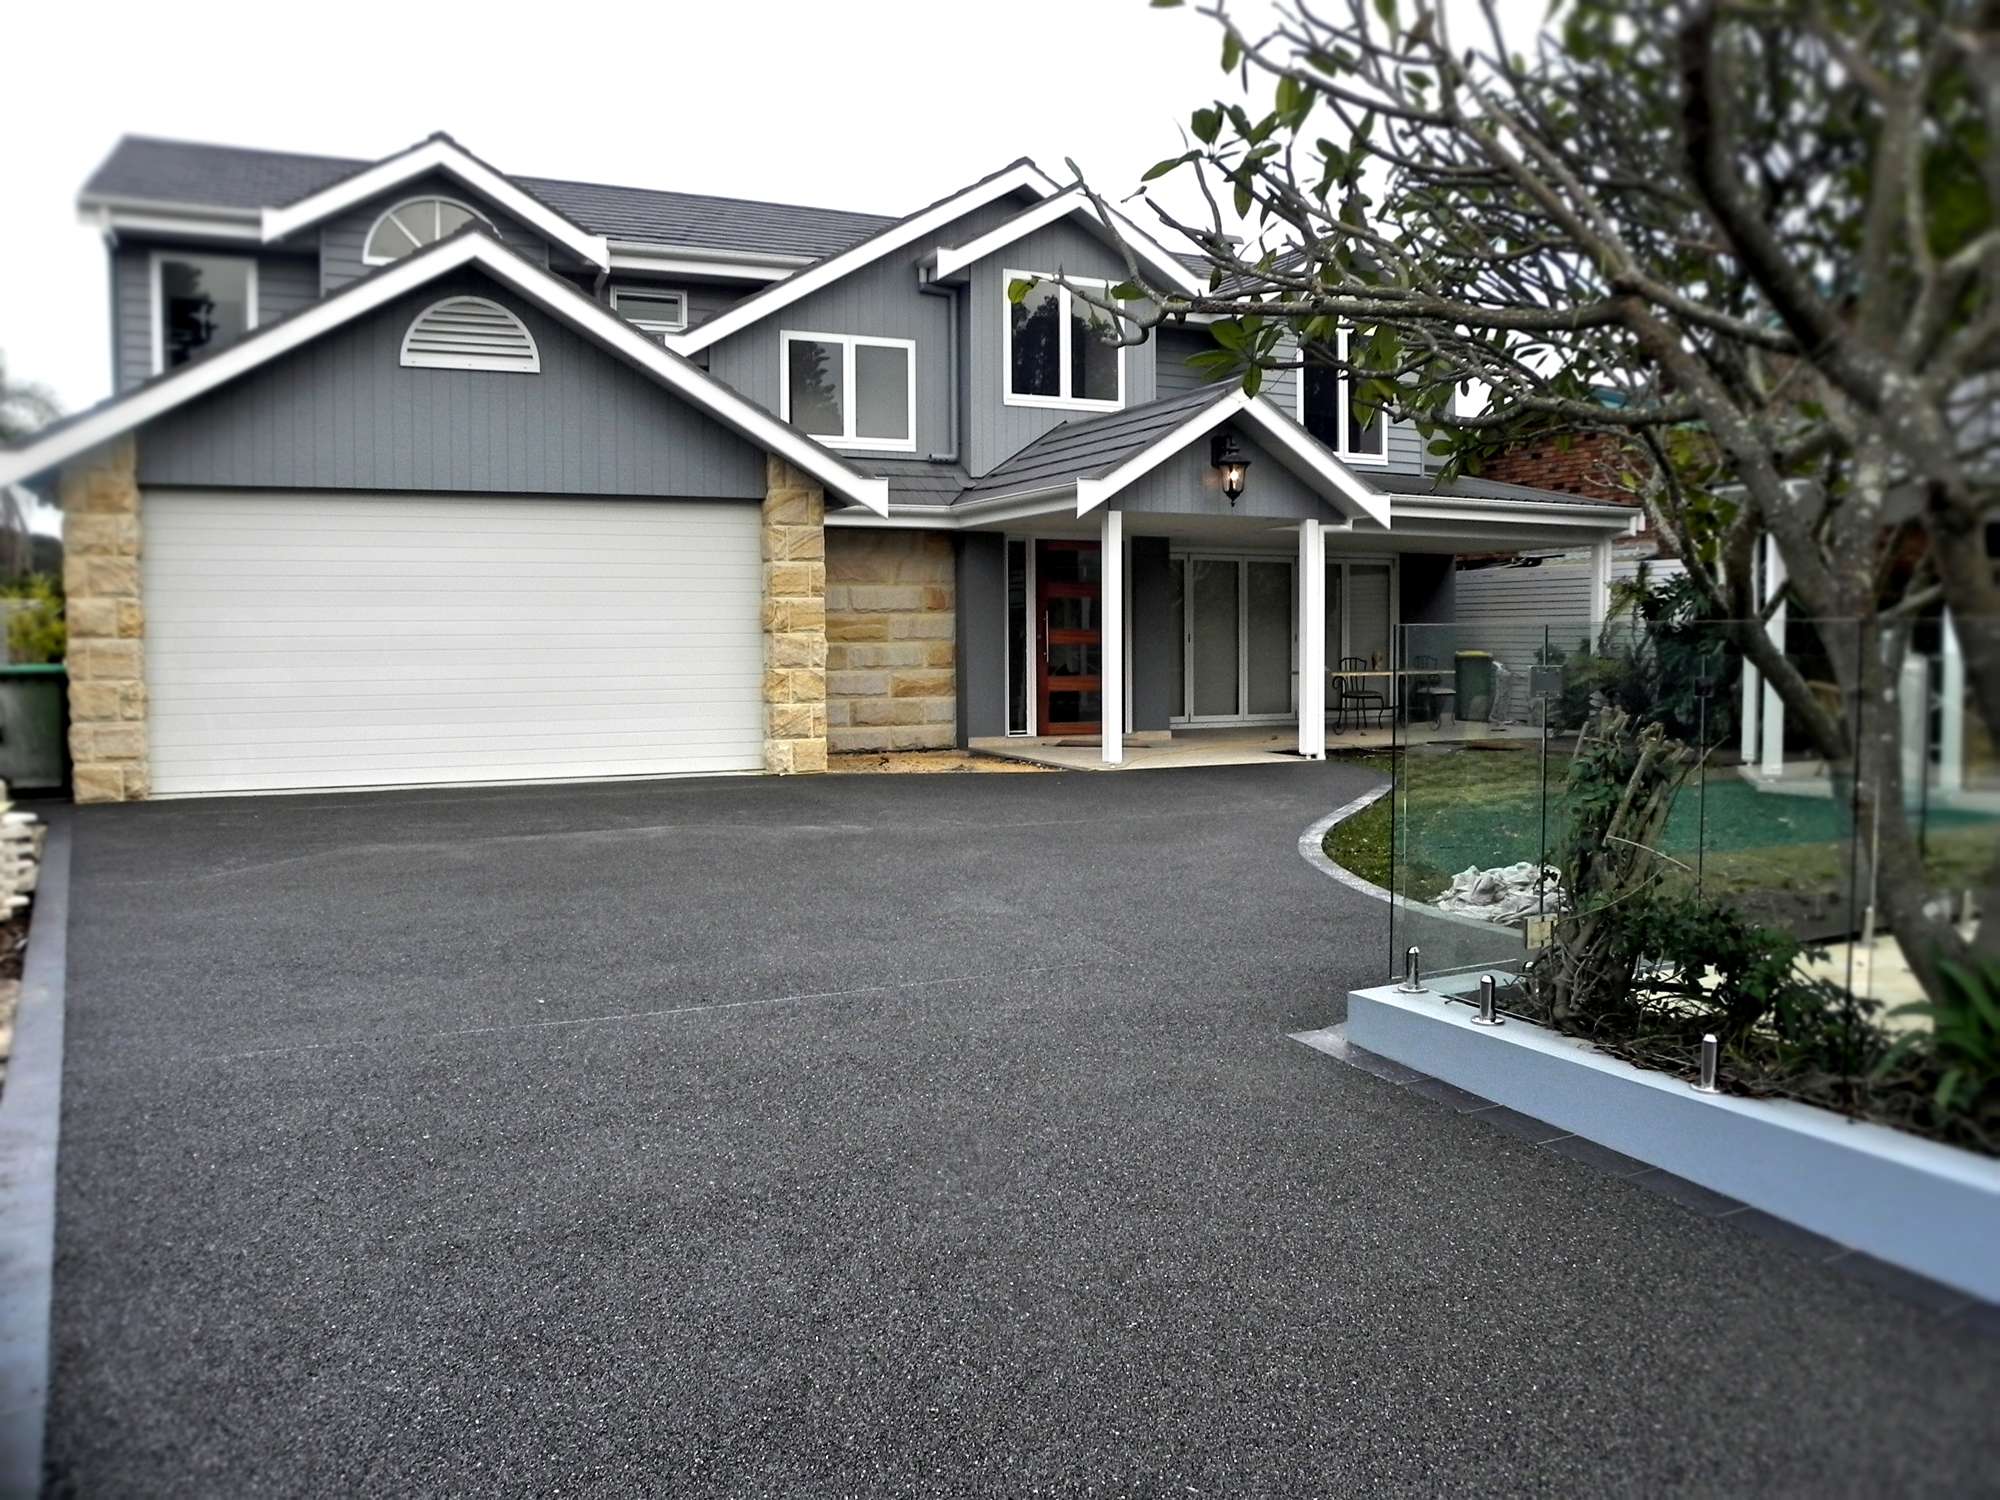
[[1584, 468], [891, 629]]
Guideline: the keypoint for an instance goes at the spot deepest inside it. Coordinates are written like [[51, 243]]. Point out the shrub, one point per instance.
[[36, 630]]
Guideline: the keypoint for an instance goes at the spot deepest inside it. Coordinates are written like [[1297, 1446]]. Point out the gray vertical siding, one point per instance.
[[880, 300], [982, 635], [1186, 485], [343, 413], [996, 429], [285, 283], [343, 237], [1173, 375], [1152, 626]]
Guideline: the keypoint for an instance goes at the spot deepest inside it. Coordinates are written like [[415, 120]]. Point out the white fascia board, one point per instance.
[[161, 216], [947, 260], [546, 290], [1333, 479], [1463, 508], [675, 260], [1027, 177], [448, 158]]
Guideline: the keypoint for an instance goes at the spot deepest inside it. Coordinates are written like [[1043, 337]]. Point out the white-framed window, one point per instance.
[[199, 301], [654, 309], [1328, 410], [1056, 349], [849, 390], [413, 224]]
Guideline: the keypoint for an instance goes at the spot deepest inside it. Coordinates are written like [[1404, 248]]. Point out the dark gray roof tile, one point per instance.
[[1093, 446]]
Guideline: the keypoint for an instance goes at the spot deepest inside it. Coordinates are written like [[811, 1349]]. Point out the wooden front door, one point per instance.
[[1068, 599]]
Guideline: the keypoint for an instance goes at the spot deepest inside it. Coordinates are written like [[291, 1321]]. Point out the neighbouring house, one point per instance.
[[417, 473]]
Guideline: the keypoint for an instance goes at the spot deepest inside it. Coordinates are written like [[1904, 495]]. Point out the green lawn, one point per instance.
[[1477, 807]]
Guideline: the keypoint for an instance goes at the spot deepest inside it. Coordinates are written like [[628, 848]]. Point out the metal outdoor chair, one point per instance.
[[1418, 692], [1352, 697]]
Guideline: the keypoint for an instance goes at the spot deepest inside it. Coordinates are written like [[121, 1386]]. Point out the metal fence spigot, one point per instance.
[[1710, 1056], [1412, 972], [1489, 1005]]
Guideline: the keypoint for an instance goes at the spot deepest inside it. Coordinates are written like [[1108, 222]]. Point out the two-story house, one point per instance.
[[417, 473]]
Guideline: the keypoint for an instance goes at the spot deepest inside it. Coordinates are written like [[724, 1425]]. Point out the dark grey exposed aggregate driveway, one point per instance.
[[866, 1136]]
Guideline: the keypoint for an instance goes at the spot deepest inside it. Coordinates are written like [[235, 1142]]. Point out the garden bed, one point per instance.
[[1927, 1207]]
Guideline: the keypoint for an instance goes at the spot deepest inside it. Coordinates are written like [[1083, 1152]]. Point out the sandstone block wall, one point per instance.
[[891, 641]]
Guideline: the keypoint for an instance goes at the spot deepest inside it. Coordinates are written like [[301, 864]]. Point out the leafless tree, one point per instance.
[[1756, 239]]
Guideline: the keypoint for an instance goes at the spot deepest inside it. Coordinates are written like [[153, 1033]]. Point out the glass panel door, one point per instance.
[[1268, 636], [1068, 590], [1215, 648], [1368, 613], [1177, 636]]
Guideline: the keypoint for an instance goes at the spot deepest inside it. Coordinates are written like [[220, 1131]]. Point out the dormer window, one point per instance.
[[1330, 411], [849, 390], [656, 311], [413, 224], [1060, 350], [199, 301]]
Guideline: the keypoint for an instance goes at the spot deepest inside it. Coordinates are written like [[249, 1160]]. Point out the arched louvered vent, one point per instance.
[[470, 333]]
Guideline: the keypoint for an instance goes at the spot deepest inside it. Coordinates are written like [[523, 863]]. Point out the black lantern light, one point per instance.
[[1231, 462]]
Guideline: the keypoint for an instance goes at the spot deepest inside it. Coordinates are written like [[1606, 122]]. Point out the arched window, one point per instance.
[[470, 333], [413, 224]]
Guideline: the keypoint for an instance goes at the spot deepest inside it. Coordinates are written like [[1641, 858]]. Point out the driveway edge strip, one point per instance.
[[1312, 849], [30, 1120]]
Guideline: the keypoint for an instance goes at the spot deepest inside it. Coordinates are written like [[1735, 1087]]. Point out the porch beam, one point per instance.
[[1312, 641], [1111, 609], [1951, 735]]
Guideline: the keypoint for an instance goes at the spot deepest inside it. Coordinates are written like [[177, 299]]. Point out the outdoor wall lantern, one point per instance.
[[1231, 462]]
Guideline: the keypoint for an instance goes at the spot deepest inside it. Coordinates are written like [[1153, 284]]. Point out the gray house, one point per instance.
[[420, 473]]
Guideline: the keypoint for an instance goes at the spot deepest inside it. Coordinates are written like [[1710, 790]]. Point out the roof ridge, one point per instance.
[[625, 187], [181, 140]]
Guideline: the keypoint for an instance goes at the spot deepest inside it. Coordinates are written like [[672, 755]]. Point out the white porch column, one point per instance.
[[1312, 641], [1111, 606], [1773, 757], [1600, 583], [1951, 727]]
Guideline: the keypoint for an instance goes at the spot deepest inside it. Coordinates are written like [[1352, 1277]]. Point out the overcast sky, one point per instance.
[[877, 105]]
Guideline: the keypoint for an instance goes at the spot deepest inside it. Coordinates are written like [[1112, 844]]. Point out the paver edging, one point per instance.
[[30, 1119]]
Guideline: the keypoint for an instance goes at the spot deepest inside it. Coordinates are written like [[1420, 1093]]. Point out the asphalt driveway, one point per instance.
[[866, 1136]]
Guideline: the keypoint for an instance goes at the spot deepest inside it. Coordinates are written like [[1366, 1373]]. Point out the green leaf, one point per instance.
[[1232, 52], [1020, 286], [1207, 124], [1164, 4], [1253, 380], [1127, 291], [1161, 168]]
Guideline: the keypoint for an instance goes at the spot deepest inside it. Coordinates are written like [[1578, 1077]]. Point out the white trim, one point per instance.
[[1487, 508], [654, 326], [849, 408], [1951, 726], [394, 210], [1022, 177], [1111, 636], [1311, 594], [1347, 455], [438, 154], [1344, 490], [158, 301], [501, 363], [1065, 332], [946, 260], [540, 286], [1771, 762], [183, 221], [697, 260]]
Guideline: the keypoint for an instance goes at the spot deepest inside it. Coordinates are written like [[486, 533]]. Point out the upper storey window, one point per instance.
[[1331, 412], [200, 301], [411, 225], [850, 391], [657, 312], [1060, 350]]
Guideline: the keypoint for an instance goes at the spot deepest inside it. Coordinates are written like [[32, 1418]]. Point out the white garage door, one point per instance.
[[305, 639]]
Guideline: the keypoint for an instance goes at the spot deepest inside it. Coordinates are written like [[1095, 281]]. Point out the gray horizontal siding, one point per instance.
[[1514, 613], [285, 283], [343, 237], [1175, 345], [342, 413]]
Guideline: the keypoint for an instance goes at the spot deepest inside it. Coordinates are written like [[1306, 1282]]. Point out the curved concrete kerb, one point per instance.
[[1312, 849]]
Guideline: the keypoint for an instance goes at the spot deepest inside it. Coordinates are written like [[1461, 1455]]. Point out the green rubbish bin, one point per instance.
[[1475, 679], [34, 727]]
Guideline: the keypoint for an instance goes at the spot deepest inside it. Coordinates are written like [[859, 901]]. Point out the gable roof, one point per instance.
[[1071, 202], [1103, 455], [470, 246], [148, 170], [439, 154], [1021, 176]]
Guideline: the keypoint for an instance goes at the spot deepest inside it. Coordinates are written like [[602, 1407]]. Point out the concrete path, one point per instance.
[[866, 1136]]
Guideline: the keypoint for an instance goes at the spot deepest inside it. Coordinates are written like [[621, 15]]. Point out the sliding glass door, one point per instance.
[[1235, 656]]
